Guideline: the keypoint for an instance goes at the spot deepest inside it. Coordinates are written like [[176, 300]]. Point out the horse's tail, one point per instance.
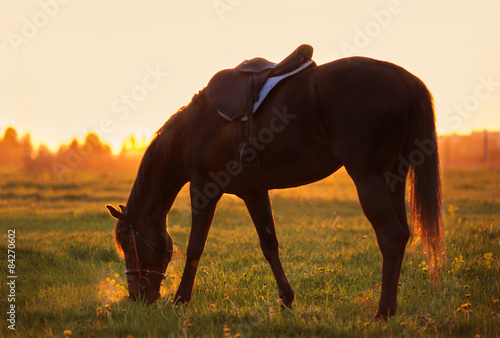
[[425, 182]]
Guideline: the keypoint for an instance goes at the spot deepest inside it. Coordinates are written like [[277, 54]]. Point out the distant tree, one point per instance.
[[94, 144], [12, 150], [43, 150], [74, 145], [10, 137], [26, 144]]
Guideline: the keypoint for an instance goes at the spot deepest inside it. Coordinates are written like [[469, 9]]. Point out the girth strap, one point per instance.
[[252, 98]]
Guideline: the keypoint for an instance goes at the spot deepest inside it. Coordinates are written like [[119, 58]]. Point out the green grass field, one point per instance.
[[70, 281]]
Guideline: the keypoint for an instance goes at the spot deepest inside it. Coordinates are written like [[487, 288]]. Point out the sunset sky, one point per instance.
[[123, 67]]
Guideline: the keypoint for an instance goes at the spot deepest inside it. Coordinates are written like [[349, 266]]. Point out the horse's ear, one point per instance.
[[123, 209], [115, 213]]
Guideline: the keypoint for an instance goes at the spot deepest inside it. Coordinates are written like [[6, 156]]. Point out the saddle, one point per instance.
[[238, 92]]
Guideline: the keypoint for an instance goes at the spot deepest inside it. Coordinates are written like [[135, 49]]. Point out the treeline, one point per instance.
[[91, 154], [475, 150]]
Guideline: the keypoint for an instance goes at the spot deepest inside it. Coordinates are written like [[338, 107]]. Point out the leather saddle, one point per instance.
[[237, 92]]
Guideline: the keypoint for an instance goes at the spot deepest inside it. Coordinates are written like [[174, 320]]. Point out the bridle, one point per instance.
[[144, 274]]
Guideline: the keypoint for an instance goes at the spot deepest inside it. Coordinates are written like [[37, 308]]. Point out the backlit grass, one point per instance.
[[71, 281]]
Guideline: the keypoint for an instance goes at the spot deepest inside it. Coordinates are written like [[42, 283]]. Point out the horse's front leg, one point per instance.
[[203, 210], [259, 206]]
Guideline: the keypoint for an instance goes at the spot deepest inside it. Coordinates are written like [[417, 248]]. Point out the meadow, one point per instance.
[[70, 280]]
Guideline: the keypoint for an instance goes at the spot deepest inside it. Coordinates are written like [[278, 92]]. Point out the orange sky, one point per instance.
[[123, 67]]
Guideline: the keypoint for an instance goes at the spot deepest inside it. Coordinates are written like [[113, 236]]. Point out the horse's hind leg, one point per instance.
[[398, 200], [377, 204], [259, 206]]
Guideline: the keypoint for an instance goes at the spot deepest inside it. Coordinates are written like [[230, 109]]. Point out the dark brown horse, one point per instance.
[[372, 117]]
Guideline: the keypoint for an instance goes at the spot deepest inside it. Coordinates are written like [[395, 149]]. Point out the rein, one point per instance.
[[143, 273]]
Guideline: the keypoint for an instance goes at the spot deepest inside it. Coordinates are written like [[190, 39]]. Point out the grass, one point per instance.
[[71, 281]]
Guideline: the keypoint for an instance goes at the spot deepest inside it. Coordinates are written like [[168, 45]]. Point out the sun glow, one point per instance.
[[114, 289], [140, 68], [111, 290]]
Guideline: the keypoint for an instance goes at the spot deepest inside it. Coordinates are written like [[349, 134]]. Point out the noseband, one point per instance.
[[144, 274]]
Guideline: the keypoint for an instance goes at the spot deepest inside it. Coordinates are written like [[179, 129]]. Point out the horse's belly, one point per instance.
[[296, 168]]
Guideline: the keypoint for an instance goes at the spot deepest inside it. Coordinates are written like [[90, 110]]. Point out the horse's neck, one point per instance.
[[158, 181], [162, 172]]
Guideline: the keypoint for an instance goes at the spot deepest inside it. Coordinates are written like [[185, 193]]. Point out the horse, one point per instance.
[[372, 117]]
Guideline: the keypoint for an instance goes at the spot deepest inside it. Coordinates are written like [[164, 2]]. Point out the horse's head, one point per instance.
[[147, 252]]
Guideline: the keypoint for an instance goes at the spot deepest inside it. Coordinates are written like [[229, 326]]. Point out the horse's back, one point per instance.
[[365, 104], [353, 110]]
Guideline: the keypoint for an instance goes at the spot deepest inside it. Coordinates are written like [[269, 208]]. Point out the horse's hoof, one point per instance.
[[284, 306], [383, 316], [179, 300], [380, 318], [286, 302]]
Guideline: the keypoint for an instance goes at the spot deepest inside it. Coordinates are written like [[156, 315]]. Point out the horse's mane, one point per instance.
[[158, 154]]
